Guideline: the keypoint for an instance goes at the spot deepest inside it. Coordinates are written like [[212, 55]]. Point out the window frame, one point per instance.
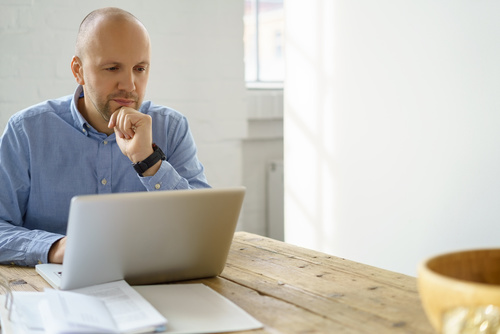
[[258, 83]]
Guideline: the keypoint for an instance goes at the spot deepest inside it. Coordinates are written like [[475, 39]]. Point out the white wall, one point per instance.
[[392, 114], [197, 65]]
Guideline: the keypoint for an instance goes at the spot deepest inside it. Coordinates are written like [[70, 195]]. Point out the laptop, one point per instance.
[[146, 237]]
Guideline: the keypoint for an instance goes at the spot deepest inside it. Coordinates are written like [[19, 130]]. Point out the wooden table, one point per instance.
[[296, 290]]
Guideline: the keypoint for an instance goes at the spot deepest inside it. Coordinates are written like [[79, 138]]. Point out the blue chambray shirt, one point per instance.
[[49, 153]]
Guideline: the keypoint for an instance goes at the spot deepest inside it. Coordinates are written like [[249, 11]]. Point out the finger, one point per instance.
[[118, 133], [112, 119], [127, 126], [121, 125]]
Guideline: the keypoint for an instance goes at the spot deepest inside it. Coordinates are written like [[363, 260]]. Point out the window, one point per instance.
[[263, 41]]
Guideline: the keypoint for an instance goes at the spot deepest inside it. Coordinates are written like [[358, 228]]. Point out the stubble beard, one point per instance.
[[104, 109]]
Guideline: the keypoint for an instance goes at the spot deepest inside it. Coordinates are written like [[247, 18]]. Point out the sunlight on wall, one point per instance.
[[309, 195], [391, 128]]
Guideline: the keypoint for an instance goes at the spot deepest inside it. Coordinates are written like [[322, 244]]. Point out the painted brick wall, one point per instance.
[[197, 65]]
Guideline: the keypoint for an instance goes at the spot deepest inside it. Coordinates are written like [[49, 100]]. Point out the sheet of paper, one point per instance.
[[195, 308], [70, 312], [130, 311], [25, 310], [26, 318], [78, 309]]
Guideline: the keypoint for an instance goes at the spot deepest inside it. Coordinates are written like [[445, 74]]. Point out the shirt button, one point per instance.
[[104, 181], [157, 186], [105, 142]]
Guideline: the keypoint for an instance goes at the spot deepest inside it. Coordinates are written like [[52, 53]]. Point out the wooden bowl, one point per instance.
[[461, 279]]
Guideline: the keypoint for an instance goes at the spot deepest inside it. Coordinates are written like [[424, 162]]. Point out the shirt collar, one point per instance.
[[80, 122]]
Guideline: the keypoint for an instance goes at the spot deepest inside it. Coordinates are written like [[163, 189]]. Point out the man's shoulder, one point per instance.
[[155, 110], [58, 106]]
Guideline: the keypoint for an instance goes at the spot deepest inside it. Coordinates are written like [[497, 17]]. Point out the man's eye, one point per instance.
[[140, 69], [113, 68]]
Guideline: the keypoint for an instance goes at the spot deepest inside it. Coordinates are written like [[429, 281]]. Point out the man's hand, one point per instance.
[[134, 135], [56, 252]]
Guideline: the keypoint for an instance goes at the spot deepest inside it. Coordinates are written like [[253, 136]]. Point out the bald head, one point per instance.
[[95, 23]]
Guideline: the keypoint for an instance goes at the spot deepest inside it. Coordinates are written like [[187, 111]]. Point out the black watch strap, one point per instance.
[[142, 166]]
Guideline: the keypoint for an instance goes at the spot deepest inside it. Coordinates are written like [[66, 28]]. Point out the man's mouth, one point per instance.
[[124, 102]]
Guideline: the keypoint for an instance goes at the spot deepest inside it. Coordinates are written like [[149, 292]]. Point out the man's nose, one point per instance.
[[127, 81]]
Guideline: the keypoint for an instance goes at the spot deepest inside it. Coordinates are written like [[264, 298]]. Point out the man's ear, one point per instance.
[[77, 69]]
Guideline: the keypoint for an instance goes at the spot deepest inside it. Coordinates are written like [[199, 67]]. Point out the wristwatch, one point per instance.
[[142, 166]]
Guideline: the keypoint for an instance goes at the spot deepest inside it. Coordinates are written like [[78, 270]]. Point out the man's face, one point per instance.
[[116, 68]]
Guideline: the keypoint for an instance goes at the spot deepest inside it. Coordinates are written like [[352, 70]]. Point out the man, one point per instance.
[[102, 139]]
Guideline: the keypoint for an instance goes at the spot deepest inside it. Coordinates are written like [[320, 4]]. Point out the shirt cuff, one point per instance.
[[166, 178], [38, 250]]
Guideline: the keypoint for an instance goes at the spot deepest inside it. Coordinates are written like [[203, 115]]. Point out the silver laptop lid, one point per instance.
[[149, 237]]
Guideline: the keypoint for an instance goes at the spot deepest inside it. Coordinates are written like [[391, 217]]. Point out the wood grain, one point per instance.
[[359, 298]]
